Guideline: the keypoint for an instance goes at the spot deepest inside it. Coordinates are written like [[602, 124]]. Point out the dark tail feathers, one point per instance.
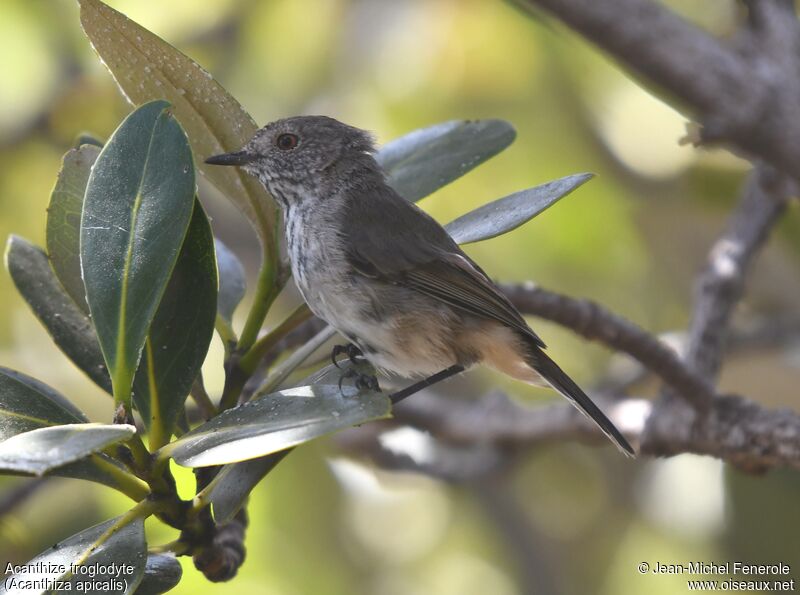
[[558, 379]]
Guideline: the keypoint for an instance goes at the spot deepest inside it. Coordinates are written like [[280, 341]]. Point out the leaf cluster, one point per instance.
[[132, 285]]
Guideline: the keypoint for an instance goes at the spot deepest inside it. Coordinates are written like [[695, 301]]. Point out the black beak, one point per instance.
[[240, 158]]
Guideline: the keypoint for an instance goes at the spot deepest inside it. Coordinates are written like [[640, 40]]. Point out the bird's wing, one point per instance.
[[400, 244]]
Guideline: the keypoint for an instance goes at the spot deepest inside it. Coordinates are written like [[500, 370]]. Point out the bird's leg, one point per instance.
[[425, 383], [353, 354], [362, 381]]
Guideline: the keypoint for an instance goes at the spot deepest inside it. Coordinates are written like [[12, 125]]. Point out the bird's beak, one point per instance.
[[240, 158]]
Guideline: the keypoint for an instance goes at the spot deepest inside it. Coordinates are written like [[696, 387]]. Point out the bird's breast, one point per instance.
[[318, 261]]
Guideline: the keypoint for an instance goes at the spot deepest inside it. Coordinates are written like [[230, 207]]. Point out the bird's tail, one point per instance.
[[558, 379]]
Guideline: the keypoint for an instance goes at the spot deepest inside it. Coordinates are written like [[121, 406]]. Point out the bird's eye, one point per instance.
[[286, 142]]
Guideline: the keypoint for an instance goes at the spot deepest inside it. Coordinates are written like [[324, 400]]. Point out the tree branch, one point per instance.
[[497, 420], [746, 95], [721, 285], [735, 429], [594, 322]]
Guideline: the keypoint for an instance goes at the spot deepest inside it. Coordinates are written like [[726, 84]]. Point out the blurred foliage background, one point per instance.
[[568, 518]]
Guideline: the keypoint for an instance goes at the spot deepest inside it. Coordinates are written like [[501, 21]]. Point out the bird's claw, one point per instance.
[[362, 381], [353, 353]]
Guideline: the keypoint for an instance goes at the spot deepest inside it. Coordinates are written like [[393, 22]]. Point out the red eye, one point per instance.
[[286, 142]]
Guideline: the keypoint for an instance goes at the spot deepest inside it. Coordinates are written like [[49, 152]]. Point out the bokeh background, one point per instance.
[[567, 518]]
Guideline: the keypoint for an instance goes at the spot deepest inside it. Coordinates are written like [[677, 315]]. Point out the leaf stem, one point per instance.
[[200, 396], [141, 456], [295, 360], [250, 360], [266, 291], [159, 434], [122, 386], [240, 368], [128, 484], [176, 547], [226, 334], [235, 379], [144, 509], [201, 499]]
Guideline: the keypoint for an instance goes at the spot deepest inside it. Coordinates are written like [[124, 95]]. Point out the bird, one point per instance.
[[384, 273]]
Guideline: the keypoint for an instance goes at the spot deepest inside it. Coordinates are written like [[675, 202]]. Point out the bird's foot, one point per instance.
[[362, 381], [353, 353]]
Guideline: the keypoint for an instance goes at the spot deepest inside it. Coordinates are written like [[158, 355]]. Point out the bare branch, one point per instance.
[[594, 322], [721, 285], [496, 419], [735, 429], [746, 95]]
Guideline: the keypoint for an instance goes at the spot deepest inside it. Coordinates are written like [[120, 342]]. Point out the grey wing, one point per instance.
[[396, 242]]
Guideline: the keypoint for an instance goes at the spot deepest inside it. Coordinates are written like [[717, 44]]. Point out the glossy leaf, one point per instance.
[[232, 283], [423, 161], [44, 449], [296, 359], [64, 220], [146, 67], [137, 207], [180, 334], [236, 481], [161, 574], [27, 404], [90, 549], [504, 214], [102, 469], [331, 374], [70, 328], [275, 422]]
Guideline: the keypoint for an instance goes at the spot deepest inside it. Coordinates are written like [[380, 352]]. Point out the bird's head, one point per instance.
[[303, 156]]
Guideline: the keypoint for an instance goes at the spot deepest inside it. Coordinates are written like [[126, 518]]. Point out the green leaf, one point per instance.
[[90, 550], [504, 214], [423, 161], [70, 328], [138, 204], [161, 574], [180, 333], [45, 449], [236, 481], [275, 422], [232, 282], [27, 404], [146, 67], [64, 220]]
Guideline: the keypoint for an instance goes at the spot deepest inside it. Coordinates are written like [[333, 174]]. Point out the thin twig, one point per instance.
[[295, 360], [746, 95], [721, 285], [736, 429], [596, 323], [496, 419]]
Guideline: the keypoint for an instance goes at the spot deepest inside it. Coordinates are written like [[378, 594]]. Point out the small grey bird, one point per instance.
[[382, 272]]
